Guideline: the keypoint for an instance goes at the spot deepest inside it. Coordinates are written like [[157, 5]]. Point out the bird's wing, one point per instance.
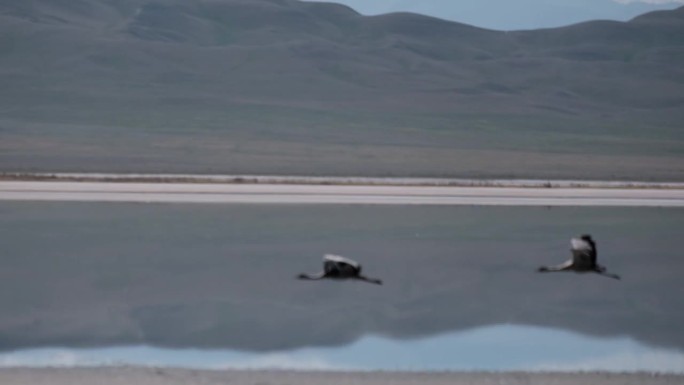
[[564, 265], [341, 260], [581, 252]]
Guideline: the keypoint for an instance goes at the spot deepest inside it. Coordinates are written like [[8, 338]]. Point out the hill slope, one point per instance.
[[282, 86]]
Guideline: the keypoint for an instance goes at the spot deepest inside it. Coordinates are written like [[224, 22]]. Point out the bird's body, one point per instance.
[[583, 259], [338, 267]]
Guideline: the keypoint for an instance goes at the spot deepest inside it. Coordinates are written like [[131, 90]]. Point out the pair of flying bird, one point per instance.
[[583, 261]]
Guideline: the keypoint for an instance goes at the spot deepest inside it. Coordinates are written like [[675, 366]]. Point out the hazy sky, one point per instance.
[[520, 14]]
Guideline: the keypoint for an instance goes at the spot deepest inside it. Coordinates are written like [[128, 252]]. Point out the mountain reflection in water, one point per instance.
[[221, 278], [493, 348]]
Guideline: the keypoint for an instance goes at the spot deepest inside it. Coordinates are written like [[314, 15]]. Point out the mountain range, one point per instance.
[[290, 87], [516, 15]]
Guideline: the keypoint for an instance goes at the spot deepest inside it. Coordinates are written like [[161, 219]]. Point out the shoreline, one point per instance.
[[331, 180], [330, 193], [115, 375]]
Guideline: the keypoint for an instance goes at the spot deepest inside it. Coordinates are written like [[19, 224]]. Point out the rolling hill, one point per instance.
[[289, 87]]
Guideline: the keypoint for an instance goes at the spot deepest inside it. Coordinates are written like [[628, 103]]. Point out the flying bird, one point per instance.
[[583, 259], [337, 267]]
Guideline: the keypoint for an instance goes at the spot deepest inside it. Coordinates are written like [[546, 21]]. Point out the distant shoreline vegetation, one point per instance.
[[331, 180]]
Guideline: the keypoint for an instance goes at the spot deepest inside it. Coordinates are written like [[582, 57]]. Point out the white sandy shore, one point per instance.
[[261, 193], [154, 376]]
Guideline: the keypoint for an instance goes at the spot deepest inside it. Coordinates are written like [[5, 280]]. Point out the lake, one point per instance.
[[214, 286]]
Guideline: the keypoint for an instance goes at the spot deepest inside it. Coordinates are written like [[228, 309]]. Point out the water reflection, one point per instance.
[[86, 275], [494, 348]]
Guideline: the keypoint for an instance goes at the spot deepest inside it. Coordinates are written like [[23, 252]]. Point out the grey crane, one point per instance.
[[583, 259], [338, 267]]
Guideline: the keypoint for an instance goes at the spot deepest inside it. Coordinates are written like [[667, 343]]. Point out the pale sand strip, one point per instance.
[[335, 194], [154, 376]]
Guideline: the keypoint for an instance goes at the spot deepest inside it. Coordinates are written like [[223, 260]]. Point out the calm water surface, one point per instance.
[[213, 286]]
